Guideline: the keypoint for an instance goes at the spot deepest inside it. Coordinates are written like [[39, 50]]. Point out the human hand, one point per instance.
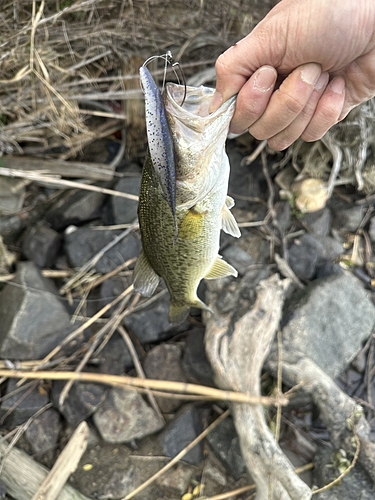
[[324, 55]]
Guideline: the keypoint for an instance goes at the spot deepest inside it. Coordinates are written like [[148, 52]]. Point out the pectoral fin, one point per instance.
[[228, 222], [229, 202], [220, 269], [192, 225], [145, 279]]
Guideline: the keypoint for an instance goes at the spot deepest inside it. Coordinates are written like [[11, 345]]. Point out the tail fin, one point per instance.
[[179, 312]]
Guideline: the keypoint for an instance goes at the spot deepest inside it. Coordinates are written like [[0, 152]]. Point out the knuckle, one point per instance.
[[252, 107], [312, 133], [328, 114], [291, 103], [279, 144], [221, 64], [258, 134]]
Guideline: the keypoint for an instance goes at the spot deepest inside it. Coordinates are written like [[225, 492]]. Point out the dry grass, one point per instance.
[[61, 61], [344, 156]]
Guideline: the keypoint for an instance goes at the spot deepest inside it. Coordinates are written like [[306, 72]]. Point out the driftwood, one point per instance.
[[23, 476], [340, 413], [65, 465], [237, 352]]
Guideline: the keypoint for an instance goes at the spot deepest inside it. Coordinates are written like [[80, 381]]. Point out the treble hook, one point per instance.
[[168, 59]]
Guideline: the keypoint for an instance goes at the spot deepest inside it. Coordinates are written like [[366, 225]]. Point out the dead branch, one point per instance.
[[237, 354]]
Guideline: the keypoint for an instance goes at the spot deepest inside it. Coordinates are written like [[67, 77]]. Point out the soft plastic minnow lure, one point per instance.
[[159, 137]]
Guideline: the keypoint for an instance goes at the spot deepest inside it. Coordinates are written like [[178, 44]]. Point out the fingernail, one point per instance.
[[265, 79], [338, 85], [322, 81], [310, 73], [216, 102]]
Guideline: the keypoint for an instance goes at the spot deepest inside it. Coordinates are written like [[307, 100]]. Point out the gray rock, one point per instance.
[[225, 444], [195, 363], [214, 472], [109, 290], [327, 269], [181, 432], [237, 257], [18, 407], [346, 218], [303, 256], [125, 416], [248, 182], [125, 210], [82, 401], [41, 245], [84, 243], [11, 227], [44, 432], [177, 480], [111, 475], [329, 321], [115, 357], [237, 295], [163, 362], [282, 217], [75, 207], [331, 249], [151, 323], [3, 491], [256, 246], [356, 485], [318, 223], [34, 320], [308, 252]]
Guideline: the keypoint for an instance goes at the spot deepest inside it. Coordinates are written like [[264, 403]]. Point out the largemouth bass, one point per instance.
[[180, 237]]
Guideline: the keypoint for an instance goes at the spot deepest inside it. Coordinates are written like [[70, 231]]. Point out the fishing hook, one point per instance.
[[168, 60]]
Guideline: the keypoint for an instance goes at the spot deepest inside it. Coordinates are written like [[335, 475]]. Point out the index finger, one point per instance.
[[231, 75], [237, 64]]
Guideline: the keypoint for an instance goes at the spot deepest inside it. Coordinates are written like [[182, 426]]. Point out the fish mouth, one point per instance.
[[194, 110]]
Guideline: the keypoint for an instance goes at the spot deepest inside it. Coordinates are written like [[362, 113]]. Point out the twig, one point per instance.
[[65, 465], [55, 180], [83, 327], [279, 382], [93, 261], [111, 325], [336, 153], [346, 472], [72, 169], [178, 457], [138, 367], [19, 431], [22, 476], [248, 160], [100, 279], [162, 385], [252, 487]]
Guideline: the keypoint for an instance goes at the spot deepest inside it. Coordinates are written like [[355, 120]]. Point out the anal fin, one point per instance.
[[145, 279], [220, 269]]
